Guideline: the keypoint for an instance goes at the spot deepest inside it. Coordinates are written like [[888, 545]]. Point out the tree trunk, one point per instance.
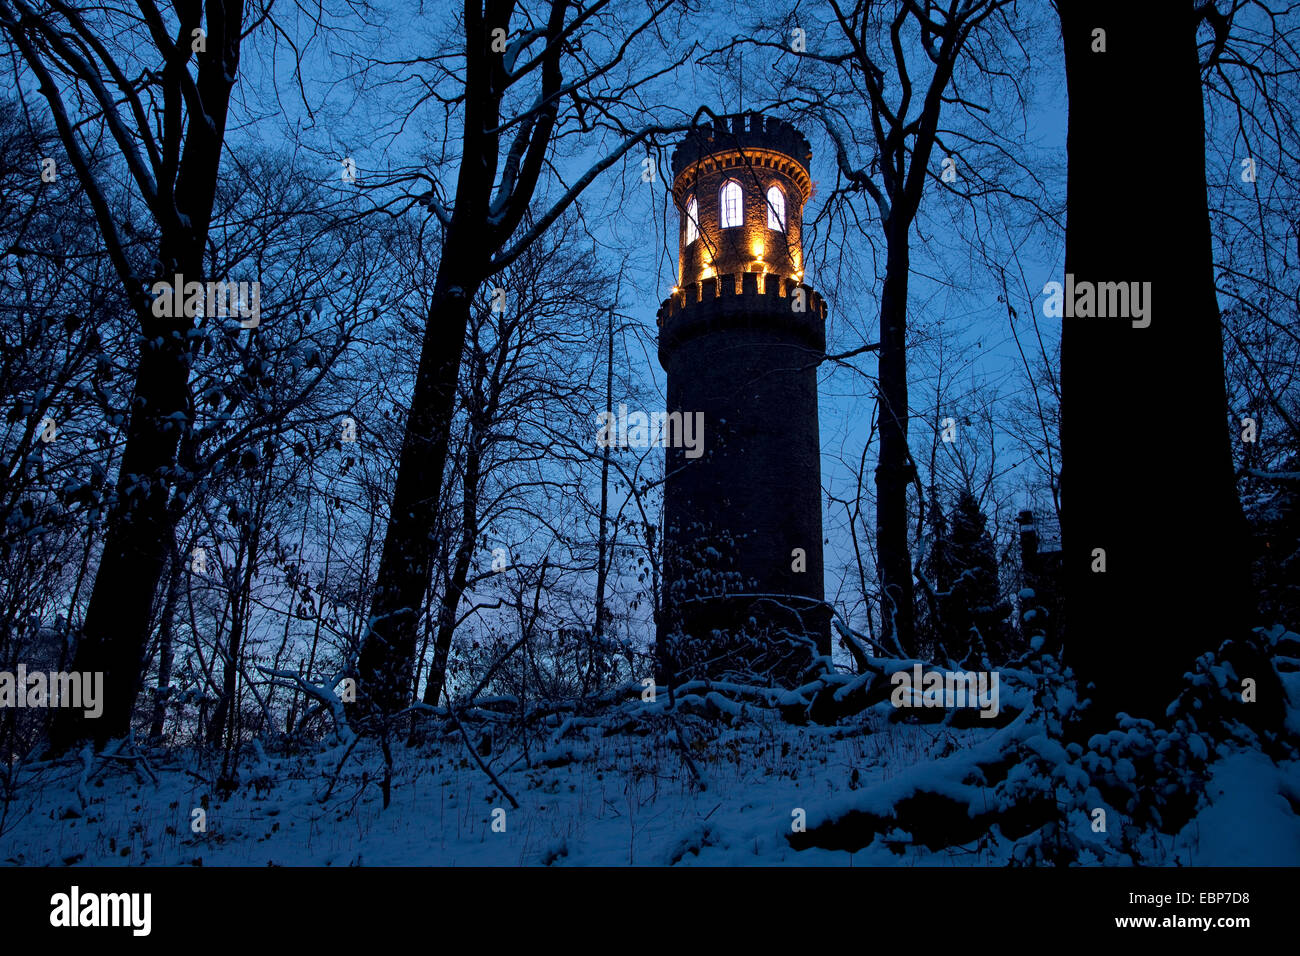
[[1147, 475], [234, 647], [479, 228], [602, 543], [388, 647], [460, 573], [165, 631], [140, 526], [136, 546], [893, 470]]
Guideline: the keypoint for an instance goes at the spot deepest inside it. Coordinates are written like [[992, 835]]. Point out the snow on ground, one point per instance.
[[593, 799], [1252, 816]]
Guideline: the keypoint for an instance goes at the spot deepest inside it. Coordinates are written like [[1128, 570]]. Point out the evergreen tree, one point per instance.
[[966, 614]]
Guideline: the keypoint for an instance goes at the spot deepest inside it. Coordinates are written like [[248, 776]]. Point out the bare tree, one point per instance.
[[167, 127], [513, 381], [899, 61], [529, 82]]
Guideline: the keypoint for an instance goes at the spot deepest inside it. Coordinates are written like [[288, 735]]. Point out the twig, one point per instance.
[[473, 752], [686, 757]]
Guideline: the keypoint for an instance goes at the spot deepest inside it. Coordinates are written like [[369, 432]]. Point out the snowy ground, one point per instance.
[[591, 799]]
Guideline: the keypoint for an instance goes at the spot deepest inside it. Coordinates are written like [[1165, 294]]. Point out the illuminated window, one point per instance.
[[776, 209], [692, 222], [732, 210]]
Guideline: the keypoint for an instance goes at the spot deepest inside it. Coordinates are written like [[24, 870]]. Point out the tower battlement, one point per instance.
[[719, 303], [735, 131]]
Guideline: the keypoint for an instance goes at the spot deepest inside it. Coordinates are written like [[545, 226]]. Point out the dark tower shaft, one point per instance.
[[740, 339]]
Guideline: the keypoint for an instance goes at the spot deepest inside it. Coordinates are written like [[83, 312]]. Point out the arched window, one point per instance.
[[776, 209], [732, 205], [692, 222]]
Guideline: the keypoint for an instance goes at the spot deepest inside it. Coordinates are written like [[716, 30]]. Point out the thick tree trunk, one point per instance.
[[388, 647], [140, 526], [894, 467], [1147, 475], [137, 543], [478, 229], [387, 659]]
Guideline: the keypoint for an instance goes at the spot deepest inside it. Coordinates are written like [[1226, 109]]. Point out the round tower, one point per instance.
[[740, 339]]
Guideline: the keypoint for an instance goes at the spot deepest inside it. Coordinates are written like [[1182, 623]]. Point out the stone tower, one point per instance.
[[740, 339]]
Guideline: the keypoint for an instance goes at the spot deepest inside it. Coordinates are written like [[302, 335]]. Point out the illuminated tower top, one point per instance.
[[740, 185]]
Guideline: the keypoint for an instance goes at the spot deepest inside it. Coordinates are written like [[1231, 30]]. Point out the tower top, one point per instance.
[[736, 131], [740, 183]]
